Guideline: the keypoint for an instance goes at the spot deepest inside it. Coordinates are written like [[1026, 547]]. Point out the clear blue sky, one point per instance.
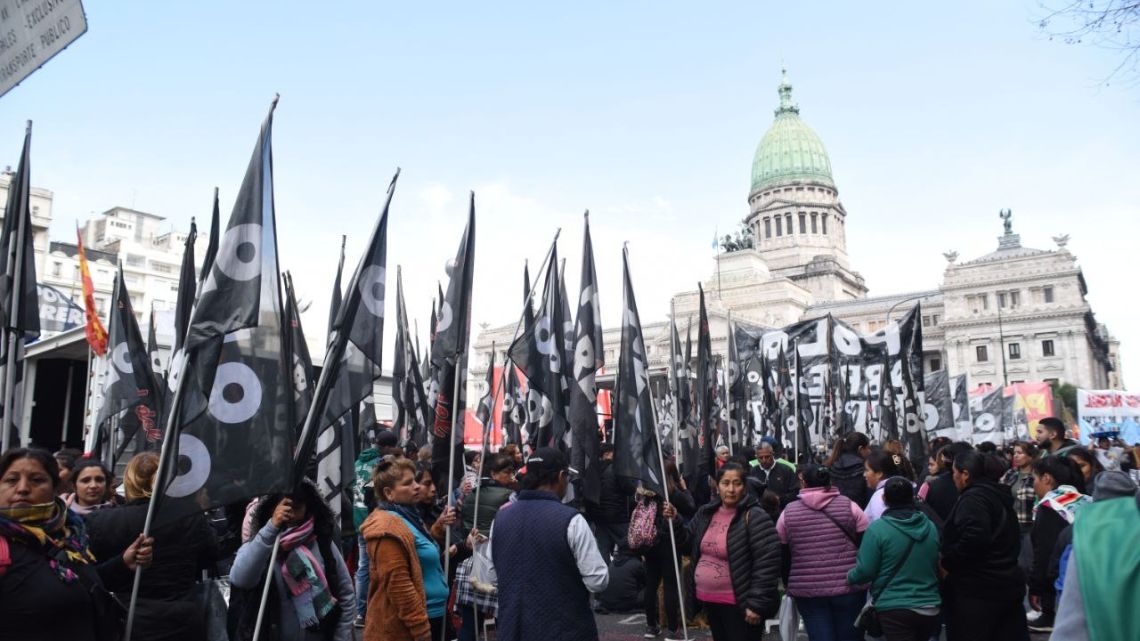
[[647, 113]]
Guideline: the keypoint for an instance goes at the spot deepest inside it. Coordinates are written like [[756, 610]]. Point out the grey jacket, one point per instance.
[[249, 570]]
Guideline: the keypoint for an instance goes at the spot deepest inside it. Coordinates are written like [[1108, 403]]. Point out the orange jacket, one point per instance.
[[397, 605]]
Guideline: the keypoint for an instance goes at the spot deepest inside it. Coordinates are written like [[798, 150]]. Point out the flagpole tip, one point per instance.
[[273, 105], [586, 215], [28, 127]]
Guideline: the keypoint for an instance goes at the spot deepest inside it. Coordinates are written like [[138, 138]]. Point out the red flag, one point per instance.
[[96, 333]]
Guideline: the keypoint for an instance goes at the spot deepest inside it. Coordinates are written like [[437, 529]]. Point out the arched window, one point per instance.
[[814, 223], [788, 221], [824, 219], [767, 227]]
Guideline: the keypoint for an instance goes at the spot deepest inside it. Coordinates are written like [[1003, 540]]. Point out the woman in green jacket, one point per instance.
[[899, 558]]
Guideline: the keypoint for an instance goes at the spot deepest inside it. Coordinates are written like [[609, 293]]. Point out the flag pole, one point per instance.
[[674, 381], [455, 409], [483, 442], [672, 534], [796, 400], [728, 386]]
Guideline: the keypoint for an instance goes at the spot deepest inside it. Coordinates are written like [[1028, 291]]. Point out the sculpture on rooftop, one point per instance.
[[1007, 218]]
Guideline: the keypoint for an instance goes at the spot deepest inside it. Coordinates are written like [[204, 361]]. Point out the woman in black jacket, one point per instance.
[[736, 559], [50, 585], [167, 608], [983, 586], [846, 465], [1056, 482], [658, 559]]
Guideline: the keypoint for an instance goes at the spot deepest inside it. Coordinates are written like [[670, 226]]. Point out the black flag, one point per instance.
[[334, 303], [212, 243], [449, 358], [539, 354], [358, 332], [407, 383], [636, 447], [232, 437], [706, 392], [129, 385], [588, 358], [302, 366], [888, 423], [187, 291], [19, 299], [691, 456], [514, 408], [484, 413]]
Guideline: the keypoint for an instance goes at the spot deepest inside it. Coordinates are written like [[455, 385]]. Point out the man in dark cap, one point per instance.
[[546, 559]]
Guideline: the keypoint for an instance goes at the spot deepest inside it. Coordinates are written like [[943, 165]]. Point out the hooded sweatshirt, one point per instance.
[[821, 530], [915, 583], [361, 484], [980, 544]]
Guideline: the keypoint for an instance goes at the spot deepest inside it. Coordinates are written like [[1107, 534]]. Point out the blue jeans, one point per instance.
[[831, 618], [361, 576]]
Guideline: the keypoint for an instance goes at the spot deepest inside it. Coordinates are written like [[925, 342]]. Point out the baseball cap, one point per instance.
[[546, 459]]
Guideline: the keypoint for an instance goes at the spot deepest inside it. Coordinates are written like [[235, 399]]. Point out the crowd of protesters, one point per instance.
[[979, 543]]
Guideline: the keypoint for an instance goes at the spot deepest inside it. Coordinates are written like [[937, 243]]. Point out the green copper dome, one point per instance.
[[790, 152]]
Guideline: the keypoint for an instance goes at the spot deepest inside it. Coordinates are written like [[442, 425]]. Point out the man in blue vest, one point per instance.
[[546, 559]]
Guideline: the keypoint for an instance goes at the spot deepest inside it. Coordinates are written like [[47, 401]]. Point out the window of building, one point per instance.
[[983, 353], [1048, 292], [1014, 351], [767, 228], [1047, 348], [1016, 382], [934, 319], [1001, 300], [779, 225], [56, 268], [926, 321], [1051, 381], [985, 301], [788, 224], [803, 223], [823, 221], [1014, 298], [162, 268], [136, 261], [935, 364], [814, 223]]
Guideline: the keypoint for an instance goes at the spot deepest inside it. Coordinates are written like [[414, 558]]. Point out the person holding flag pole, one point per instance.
[[637, 446]]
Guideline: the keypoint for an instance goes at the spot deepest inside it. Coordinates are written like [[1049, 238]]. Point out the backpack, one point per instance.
[[643, 525]]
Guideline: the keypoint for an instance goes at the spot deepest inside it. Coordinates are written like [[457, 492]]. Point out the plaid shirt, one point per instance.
[[1024, 498], [466, 594]]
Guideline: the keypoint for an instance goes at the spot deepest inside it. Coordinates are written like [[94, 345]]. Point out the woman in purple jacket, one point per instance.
[[822, 531]]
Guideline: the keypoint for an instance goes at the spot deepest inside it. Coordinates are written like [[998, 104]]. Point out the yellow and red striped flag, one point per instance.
[[96, 333]]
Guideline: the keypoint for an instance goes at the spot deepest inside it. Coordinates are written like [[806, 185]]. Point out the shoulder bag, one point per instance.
[[868, 619]]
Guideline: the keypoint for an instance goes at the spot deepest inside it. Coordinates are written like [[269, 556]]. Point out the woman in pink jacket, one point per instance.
[[822, 531]]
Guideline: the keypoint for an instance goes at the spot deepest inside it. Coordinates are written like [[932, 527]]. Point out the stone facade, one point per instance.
[[1014, 315]]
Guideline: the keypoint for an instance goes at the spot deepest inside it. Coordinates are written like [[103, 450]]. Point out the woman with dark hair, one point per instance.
[[736, 559], [311, 596], [984, 586], [1089, 466], [1056, 481], [166, 608], [899, 557], [939, 491], [822, 531], [50, 585], [846, 465], [1019, 479], [92, 481], [427, 499], [66, 459], [880, 466], [407, 592], [658, 559]]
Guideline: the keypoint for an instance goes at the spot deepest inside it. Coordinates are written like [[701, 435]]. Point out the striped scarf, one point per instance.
[[1065, 501], [54, 530], [304, 576]]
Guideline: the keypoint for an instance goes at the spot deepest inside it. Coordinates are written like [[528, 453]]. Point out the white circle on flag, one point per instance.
[[121, 357], [236, 395], [371, 286], [240, 252], [197, 474]]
